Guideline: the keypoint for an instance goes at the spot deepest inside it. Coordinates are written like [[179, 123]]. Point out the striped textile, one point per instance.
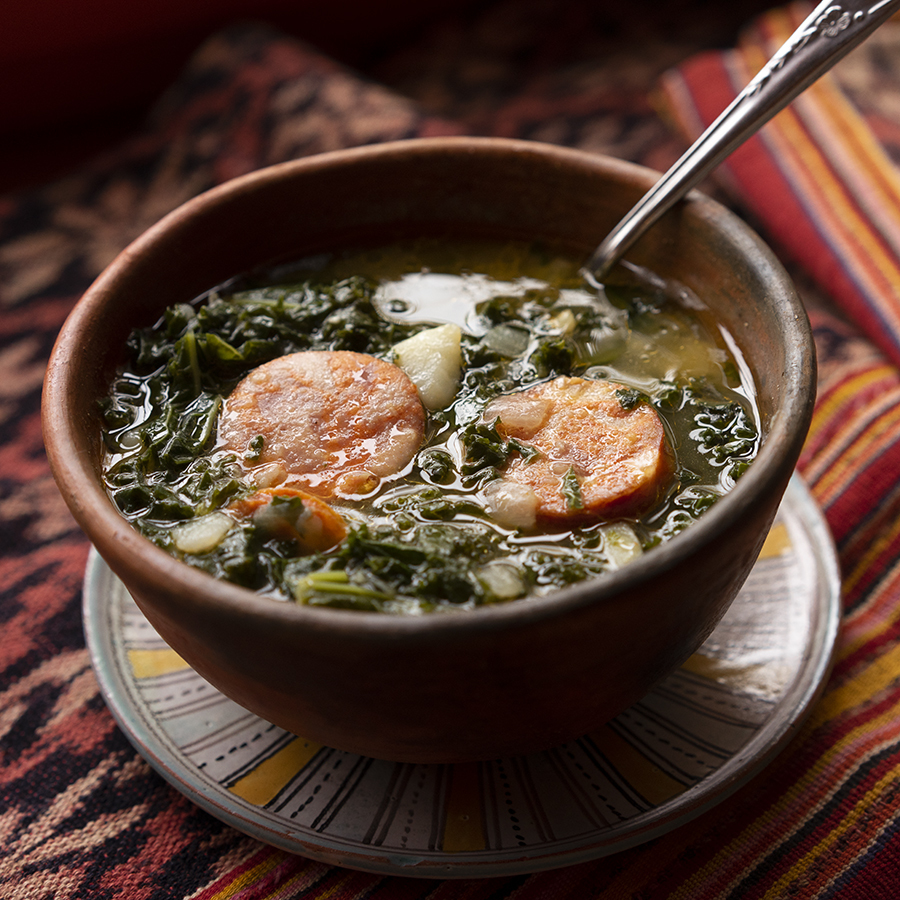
[[826, 192], [82, 815], [817, 177]]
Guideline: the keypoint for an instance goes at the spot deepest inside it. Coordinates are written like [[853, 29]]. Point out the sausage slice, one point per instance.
[[595, 457], [337, 421]]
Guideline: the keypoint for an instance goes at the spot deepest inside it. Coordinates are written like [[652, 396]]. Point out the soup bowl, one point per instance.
[[497, 680]]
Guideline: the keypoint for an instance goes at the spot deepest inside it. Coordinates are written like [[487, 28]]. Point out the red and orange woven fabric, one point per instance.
[[82, 815]]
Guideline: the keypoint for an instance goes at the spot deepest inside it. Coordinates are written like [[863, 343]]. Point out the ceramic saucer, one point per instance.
[[686, 746]]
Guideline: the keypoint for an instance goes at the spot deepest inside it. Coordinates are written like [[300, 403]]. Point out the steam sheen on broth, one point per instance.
[[397, 430]]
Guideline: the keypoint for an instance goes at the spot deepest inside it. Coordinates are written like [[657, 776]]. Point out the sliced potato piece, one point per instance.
[[502, 580], [202, 534], [432, 359], [622, 545]]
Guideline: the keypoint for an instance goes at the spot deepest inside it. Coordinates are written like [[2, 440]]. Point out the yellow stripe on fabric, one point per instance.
[[838, 410], [833, 406], [271, 775], [149, 663], [758, 833], [779, 24], [814, 178], [236, 882], [463, 831], [778, 542], [825, 104], [877, 676], [883, 619], [850, 230], [878, 615], [833, 708], [644, 776], [847, 824], [851, 233], [873, 551], [287, 890], [753, 58], [865, 164], [865, 446], [249, 876], [847, 128]]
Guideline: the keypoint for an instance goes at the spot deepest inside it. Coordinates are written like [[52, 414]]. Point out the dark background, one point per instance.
[[76, 76]]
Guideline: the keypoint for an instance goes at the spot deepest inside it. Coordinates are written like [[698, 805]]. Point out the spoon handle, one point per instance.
[[827, 34]]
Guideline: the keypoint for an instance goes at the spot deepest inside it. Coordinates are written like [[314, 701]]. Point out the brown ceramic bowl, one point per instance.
[[499, 680]]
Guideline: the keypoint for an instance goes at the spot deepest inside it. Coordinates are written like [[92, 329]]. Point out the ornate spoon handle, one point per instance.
[[828, 33]]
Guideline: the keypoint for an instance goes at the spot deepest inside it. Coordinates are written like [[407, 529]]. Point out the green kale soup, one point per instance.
[[394, 430]]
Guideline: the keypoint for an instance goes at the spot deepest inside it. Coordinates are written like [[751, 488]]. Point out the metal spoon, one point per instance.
[[828, 34]]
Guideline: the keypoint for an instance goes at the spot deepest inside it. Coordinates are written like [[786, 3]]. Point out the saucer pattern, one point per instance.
[[693, 739]]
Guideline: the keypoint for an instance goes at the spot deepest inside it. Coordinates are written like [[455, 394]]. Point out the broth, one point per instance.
[[435, 531]]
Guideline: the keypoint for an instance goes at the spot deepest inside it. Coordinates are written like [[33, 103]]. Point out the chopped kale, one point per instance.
[[438, 465], [629, 398], [571, 489], [255, 448], [486, 449], [553, 356], [432, 569], [425, 543], [725, 433]]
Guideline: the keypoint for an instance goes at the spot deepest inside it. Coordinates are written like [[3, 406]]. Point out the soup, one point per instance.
[[395, 430]]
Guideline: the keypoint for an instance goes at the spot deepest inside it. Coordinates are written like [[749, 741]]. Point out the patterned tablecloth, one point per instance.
[[82, 814]]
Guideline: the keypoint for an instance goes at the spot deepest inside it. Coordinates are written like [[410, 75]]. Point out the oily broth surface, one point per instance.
[[522, 311]]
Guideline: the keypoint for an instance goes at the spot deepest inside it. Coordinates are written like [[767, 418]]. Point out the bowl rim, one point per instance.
[[149, 565]]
